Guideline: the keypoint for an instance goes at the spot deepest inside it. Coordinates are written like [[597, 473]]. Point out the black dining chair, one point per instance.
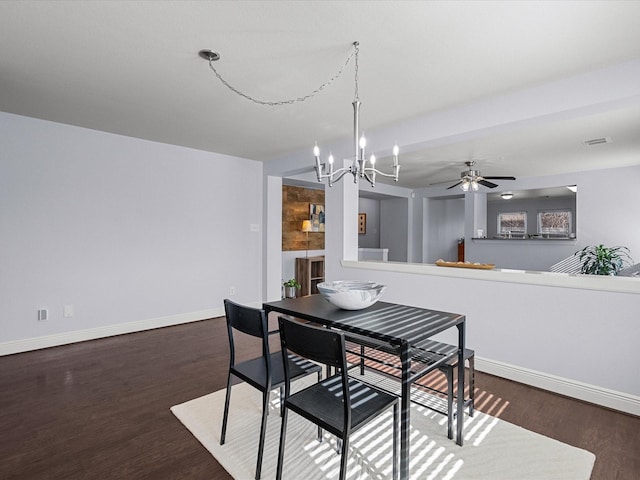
[[266, 372], [434, 351], [428, 356], [338, 404]]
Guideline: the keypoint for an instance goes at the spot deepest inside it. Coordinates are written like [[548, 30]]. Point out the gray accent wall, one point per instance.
[[394, 228], [530, 205], [387, 226], [370, 239], [445, 220]]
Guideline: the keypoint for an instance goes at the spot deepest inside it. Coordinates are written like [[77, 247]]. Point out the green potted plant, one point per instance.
[[601, 260], [290, 287]]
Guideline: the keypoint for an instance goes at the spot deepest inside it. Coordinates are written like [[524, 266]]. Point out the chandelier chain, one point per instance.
[[294, 100]]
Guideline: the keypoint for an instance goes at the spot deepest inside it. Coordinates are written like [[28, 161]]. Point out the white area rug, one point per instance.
[[493, 449]]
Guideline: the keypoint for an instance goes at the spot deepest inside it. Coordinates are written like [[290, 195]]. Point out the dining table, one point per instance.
[[404, 328]]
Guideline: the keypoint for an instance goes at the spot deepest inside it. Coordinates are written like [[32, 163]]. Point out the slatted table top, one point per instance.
[[387, 322]]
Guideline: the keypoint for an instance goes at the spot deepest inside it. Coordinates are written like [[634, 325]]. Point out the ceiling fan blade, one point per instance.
[[455, 185], [487, 184], [499, 178]]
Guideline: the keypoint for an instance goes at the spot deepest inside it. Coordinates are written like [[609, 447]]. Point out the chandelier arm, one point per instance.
[[338, 174], [283, 102], [378, 172], [371, 179]]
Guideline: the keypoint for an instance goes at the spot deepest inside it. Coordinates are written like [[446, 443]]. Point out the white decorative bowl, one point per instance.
[[351, 294]]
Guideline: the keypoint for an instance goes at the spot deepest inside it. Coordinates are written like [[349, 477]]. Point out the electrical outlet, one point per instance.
[[68, 311], [232, 290], [43, 314]]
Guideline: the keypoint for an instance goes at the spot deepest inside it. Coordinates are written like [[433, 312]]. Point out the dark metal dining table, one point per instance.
[[403, 327]]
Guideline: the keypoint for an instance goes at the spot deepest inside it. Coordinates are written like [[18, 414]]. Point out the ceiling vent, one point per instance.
[[597, 141]]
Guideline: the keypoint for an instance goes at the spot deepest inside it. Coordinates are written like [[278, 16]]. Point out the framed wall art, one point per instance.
[[316, 215]]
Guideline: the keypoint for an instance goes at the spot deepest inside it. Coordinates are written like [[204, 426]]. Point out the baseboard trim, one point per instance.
[[615, 400], [589, 393], [28, 344]]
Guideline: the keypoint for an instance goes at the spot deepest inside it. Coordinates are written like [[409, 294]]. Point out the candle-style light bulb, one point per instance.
[[396, 151], [330, 159], [316, 154], [363, 142], [372, 178]]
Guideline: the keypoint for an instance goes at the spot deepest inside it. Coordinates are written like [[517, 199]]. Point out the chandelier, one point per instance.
[[359, 167]]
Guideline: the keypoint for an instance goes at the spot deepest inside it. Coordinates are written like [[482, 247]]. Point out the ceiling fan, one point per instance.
[[472, 179]]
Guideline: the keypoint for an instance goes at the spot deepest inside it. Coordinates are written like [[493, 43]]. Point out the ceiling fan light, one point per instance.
[[465, 185], [475, 186]]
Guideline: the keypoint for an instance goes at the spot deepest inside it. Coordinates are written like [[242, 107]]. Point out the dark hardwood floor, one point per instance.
[[100, 410]]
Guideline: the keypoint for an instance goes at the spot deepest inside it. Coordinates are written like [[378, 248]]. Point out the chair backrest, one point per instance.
[[319, 345], [251, 321], [315, 343]]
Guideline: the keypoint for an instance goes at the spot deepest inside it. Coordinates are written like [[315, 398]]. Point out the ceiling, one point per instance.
[[550, 192], [132, 68]]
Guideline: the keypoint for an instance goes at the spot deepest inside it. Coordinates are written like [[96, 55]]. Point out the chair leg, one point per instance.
[[281, 400], [319, 428], [263, 431], [449, 374], [361, 359], [395, 441], [472, 385], [283, 432], [344, 457], [225, 416]]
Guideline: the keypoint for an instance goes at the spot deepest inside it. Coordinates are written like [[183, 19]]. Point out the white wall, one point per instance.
[[123, 229], [581, 343]]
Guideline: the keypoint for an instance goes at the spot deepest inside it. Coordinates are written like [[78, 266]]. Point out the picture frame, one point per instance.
[[317, 217]]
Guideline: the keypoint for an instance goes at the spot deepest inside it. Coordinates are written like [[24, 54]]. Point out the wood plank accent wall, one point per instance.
[[295, 209]]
